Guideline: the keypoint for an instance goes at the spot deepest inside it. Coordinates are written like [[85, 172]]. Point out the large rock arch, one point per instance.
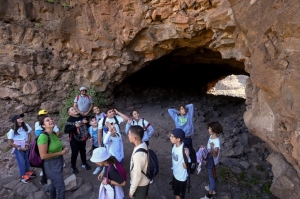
[[48, 48]]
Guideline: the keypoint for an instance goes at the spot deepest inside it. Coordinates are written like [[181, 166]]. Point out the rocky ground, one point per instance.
[[243, 173]]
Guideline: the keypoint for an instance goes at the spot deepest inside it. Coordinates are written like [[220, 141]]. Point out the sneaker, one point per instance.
[[97, 170], [41, 173], [30, 174], [25, 179], [43, 181], [151, 181], [74, 170], [64, 165], [207, 189], [86, 166]]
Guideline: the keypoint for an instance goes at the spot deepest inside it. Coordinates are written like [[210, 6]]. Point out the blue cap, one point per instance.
[[178, 133]]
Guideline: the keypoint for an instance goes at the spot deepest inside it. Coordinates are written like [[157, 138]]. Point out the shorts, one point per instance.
[[179, 187]]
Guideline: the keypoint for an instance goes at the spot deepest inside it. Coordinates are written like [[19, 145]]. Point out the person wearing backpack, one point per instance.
[[38, 129], [183, 118], [83, 103], [114, 117], [148, 129], [179, 167], [19, 137], [76, 127], [139, 182], [98, 114], [93, 131], [113, 177], [213, 147], [52, 156]]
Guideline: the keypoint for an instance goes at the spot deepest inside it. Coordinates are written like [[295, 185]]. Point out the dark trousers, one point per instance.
[[75, 148]]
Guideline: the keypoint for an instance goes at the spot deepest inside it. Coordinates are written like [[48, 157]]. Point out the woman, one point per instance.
[[148, 129], [53, 158], [19, 138], [213, 147], [111, 179]]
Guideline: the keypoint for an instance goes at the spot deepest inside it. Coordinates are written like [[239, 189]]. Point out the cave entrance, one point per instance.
[[183, 72]]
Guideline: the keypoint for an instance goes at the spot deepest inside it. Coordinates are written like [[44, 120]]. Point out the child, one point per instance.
[[183, 118], [180, 173], [111, 180], [148, 129], [213, 146], [98, 114], [93, 130], [113, 142]]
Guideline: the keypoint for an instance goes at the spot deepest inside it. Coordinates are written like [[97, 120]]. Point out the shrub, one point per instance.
[[101, 100]]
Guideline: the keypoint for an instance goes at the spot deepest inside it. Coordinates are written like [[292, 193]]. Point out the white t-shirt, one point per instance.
[[22, 134], [110, 120], [114, 145], [216, 142], [179, 172]]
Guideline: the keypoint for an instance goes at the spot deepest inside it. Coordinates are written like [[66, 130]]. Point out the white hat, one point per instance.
[[82, 88], [100, 155]]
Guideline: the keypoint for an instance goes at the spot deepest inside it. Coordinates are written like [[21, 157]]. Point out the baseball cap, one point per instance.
[[15, 117], [82, 88], [178, 133], [43, 112], [100, 155]]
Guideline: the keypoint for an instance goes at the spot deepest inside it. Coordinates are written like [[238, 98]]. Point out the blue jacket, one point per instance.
[[184, 122]]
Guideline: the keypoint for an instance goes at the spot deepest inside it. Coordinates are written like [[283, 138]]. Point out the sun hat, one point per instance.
[[82, 88], [178, 133], [43, 112], [15, 117], [100, 155]]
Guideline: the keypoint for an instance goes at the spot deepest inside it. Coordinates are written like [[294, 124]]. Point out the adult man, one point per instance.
[[83, 103], [139, 183], [75, 122]]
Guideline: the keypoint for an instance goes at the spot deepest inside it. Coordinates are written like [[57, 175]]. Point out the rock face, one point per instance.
[[47, 48]]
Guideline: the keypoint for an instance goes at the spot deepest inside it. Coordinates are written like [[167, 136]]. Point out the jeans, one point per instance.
[[212, 180], [54, 171], [23, 161]]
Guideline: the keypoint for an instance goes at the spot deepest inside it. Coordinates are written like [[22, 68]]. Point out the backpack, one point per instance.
[[153, 166], [82, 133], [77, 98], [119, 167], [34, 154], [143, 122], [191, 166]]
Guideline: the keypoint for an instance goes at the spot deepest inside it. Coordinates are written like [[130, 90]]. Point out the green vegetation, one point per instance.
[[51, 1], [100, 100], [39, 25], [260, 168], [224, 174], [266, 188], [254, 180], [65, 5]]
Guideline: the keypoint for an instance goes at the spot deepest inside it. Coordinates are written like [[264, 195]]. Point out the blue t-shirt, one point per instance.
[[94, 135]]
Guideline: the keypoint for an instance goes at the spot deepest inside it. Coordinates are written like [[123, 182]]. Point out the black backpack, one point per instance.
[[153, 166], [191, 166], [82, 133]]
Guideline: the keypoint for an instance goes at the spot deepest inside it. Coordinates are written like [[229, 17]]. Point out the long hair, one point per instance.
[[215, 127], [16, 127]]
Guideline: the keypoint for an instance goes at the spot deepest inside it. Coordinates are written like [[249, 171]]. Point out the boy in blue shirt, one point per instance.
[[93, 130]]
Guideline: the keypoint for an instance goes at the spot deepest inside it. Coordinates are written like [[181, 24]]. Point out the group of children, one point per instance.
[[105, 134]]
